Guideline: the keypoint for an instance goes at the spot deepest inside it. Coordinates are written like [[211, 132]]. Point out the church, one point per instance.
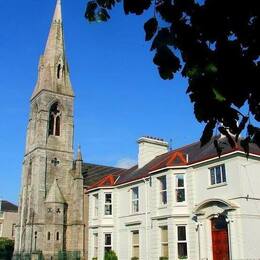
[[186, 203]]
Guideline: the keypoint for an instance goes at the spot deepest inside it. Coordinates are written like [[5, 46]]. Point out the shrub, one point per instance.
[[163, 258], [94, 258], [6, 248], [110, 255]]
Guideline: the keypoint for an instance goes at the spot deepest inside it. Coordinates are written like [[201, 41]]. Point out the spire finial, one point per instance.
[[79, 154], [57, 14]]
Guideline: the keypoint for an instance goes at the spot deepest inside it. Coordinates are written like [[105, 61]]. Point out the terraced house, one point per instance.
[[182, 204], [185, 203], [8, 219]]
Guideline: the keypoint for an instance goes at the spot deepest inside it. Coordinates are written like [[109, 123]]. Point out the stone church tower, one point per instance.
[[51, 199]]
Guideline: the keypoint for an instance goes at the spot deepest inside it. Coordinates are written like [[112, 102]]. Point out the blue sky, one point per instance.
[[119, 94]]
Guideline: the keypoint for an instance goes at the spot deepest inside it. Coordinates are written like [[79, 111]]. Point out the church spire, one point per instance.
[[53, 68]]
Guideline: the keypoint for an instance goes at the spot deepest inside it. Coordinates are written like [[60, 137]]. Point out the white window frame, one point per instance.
[[177, 188], [108, 204], [105, 245], [95, 245], [163, 191], [135, 201], [214, 171], [163, 243], [135, 245], [181, 241], [96, 204]]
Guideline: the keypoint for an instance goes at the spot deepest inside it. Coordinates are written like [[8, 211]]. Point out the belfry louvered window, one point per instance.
[[55, 120]]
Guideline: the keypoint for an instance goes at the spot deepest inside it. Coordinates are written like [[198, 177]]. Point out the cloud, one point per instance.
[[125, 163]]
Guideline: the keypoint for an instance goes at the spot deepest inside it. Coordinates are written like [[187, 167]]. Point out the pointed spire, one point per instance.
[[53, 67], [79, 154], [57, 14], [55, 194]]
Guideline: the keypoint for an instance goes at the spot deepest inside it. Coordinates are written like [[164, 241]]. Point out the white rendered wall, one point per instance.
[[244, 220]]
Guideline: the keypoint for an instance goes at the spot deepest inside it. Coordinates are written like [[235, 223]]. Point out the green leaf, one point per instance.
[[225, 132], [150, 28], [102, 15], [90, 13], [211, 68], [167, 62], [136, 6], [162, 38], [207, 132], [218, 147], [108, 4], [241, 126], [245, 145], [193, 72], [218, 96]]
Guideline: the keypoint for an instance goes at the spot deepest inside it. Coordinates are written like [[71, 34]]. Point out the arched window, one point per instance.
[[59, 71], [49, 236], [58, 236], [54, 120]]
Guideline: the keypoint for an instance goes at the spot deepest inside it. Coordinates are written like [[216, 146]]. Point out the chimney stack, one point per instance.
[[149, 148]]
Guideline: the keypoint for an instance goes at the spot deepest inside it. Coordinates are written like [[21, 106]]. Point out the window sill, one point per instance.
[[180, 204], [217, 185], [136, 213], [163, 206], [108, 216]]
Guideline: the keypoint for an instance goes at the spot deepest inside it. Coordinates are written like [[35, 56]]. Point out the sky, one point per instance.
[[119, 94]]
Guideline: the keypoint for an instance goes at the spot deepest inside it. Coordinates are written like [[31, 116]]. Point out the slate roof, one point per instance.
[[93, 173], [183, 156], [7, 206]]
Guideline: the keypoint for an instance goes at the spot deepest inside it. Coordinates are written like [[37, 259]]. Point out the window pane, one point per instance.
[[96, 240], [212, 176], [163, 182], [135, 206], [108, 198], [180, 180], [181, 233], [165, 250], [218, 174], [182, 249], [107, 239], [180, 195], [135, 237], [108, 209], [164, 197], [164, 234], [135, 193], [108, 248], [135, 251], [223, 173]]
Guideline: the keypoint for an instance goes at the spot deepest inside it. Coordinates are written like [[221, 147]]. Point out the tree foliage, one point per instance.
[[110, 255], [6, 248], [213, 43]]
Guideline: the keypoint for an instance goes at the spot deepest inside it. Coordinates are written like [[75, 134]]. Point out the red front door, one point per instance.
[[220, 238]]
